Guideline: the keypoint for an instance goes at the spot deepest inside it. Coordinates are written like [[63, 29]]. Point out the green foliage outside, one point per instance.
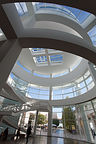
[[56, 122], [68, 118], [31, 118], [41, 119]]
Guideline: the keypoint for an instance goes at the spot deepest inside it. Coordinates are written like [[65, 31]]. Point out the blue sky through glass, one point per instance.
[[38, 93], [21, 8], [56, 58], [74, 13], [40, 59], [37, 49], [92, 35]]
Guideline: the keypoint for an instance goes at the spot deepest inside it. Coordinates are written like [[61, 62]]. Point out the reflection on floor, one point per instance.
[[43, 140]]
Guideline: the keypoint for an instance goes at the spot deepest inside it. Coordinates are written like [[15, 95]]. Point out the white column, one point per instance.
[[9, 53], [50, 93], [50, 122]]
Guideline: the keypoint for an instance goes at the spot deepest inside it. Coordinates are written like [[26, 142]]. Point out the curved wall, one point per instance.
[[29, 77]]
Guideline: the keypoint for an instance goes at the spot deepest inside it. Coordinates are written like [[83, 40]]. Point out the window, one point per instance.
[[79, 15], [92, 35], [21, 8], [56, 58], [88, 80], [40, 60]]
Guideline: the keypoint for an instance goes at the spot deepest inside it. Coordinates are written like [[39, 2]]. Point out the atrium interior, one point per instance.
[[48, 71]]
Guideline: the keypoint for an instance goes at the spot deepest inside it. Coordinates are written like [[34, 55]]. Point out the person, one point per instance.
[[5, 134], [18, 133], [28, 133]]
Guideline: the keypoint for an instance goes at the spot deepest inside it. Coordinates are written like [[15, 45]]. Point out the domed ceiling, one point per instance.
[[47, 61]]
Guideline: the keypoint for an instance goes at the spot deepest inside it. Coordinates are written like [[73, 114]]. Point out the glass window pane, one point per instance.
[[88, 80], [56, 58], [86, 74], [91, 85], [84, 90], [82, 84]]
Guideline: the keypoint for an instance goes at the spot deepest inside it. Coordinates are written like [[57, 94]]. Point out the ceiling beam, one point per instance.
[[5, 25], [86, 5], [59, 45]]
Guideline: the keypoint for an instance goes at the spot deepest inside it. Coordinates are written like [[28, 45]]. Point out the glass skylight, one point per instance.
[[56, 58], [21, 8], [40, 59], [37, 49], [78, 15], [92, 35]]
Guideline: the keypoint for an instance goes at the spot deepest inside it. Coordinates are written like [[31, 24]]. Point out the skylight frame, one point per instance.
[[69, 11], [92, 35], [56, 58], [40, 60], [21, 8]]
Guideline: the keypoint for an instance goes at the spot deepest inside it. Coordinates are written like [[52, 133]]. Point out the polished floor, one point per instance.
[[43, 140]]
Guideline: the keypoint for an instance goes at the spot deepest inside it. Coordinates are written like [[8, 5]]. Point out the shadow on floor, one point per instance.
[[43, 140]]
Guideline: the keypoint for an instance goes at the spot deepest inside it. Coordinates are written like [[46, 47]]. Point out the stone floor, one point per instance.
[[43, 140]]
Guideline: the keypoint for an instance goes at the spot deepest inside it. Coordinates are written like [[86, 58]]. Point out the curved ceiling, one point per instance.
[[66, 60], [82, 4], [68, 43]]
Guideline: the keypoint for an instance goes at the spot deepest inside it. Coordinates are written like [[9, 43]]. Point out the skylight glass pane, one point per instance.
[[56, 58], [21, 8], [78, 15], [53, 51], [24, 7], [92, 35], [40, 59], [37, 49], [82, 16]]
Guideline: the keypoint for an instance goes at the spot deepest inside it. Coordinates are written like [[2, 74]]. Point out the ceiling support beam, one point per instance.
[[6, 26], [59, 45], [13, 50]]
